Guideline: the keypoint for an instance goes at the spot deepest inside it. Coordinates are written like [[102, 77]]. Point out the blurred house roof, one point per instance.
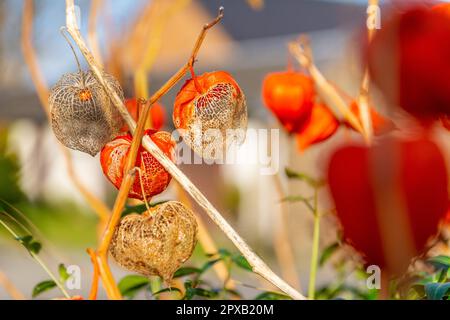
[[247, 42], [283, 17]]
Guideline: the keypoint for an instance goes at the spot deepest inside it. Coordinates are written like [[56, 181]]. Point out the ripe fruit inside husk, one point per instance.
[[290, 96], [82, 115], [155, 178], [205, 108], [389, 198], [157, 242]]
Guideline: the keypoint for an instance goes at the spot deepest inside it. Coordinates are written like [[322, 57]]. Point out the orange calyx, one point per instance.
[[321, 125], [380, 124]]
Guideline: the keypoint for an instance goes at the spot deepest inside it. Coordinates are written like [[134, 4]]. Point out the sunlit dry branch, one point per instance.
[[282, 242], [10, 288], [257, 264], [363, 99], [303, 54], [92, 36]]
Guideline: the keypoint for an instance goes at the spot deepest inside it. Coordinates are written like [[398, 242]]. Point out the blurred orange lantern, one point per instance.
[[320, 126], [409, 61], [446, 122], [290, 96], [380, 124], [157, 114], [389, 198], [155, 178], [443, 8]]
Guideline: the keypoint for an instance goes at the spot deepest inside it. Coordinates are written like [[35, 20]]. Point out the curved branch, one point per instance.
[[255, 261]]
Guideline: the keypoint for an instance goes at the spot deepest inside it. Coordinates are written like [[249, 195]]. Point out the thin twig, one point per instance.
[[302, 53], [282, 242], [95, 275], [42, 90], [257, 264], [153, 44], [102, 252], [315, 248], [363, 99], [92, 37], [10, 288]]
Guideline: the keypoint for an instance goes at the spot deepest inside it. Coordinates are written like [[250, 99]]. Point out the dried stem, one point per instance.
[[42, 90], [315, 247], [282, 244], [102, 253], [92, 37], [301, 51], [257, 264], [10, 288], [95, 275], [150, 52], [363, 99]]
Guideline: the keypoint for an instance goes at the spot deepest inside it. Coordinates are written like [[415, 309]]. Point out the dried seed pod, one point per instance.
[[205, 108], [157, 242], [155, 178], [82, 114]]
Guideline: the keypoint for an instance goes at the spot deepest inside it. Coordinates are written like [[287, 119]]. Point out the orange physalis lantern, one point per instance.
[[155, 178], [205, 108], [290, 96]]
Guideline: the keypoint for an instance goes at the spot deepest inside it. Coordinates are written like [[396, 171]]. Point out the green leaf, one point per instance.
[[31, 245], [204, 293], [63, 275], [140, 208], [170, 289], [186, 271], [208, 265], [224, 253], [291, 174], [232, 292], [437, 291], [130, 285], [269, 295], [42, 287], [327, 253], [440, 262], [241, 262]]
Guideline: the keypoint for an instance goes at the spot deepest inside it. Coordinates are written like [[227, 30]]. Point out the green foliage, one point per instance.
[[130, 285], [328, 252], [9, 172], [314, 183], [268, 295], [139, 209], [63, 274], [194, 284], [43, 287], [430, 285], [30, 244]]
